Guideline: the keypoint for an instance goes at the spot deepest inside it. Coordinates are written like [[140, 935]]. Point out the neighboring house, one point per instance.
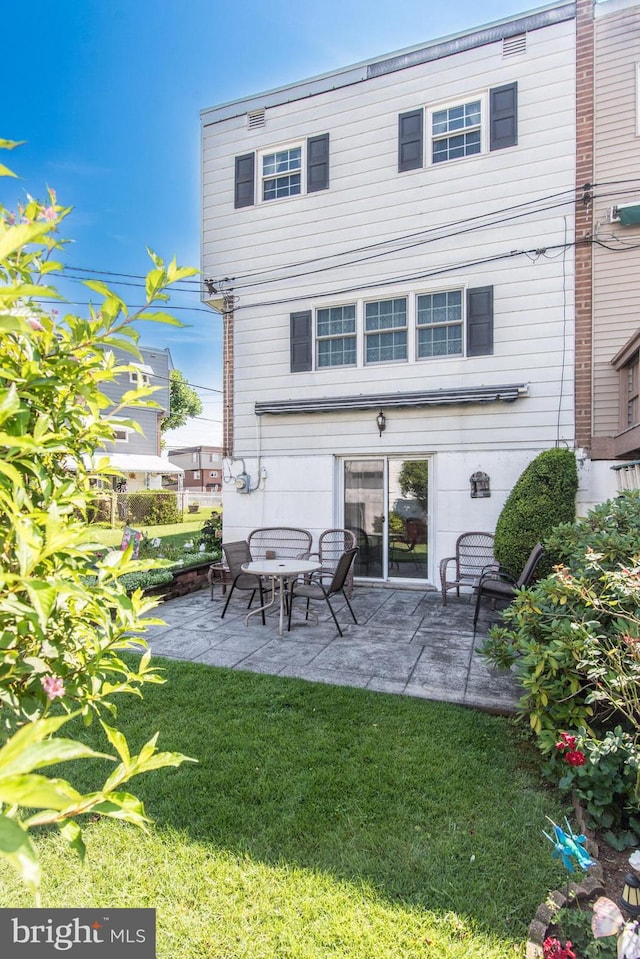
[[202, 467], [138, 455], [399, 338], [608, 284]]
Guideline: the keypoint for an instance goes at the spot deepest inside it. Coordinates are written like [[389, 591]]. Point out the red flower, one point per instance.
[[553, 949], [566, 742], [575, 758]]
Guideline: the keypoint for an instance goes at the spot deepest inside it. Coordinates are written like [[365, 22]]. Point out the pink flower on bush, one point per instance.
[[566, 742], [553, 949], [53, 686], [575, 758]]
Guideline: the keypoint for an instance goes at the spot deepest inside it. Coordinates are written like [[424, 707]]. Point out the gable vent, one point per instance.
[[513, 45], [256, 119]]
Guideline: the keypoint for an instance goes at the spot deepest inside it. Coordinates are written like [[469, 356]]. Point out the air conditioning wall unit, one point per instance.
[[626, 213]]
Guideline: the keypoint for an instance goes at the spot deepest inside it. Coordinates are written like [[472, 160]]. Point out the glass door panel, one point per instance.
[[364, 513], [408, 518]]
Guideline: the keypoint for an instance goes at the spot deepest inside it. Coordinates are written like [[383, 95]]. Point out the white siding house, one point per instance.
[[396, 238], [137, 455]]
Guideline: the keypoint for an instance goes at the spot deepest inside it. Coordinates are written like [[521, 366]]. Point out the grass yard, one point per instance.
[[176, 533], [319, 822]]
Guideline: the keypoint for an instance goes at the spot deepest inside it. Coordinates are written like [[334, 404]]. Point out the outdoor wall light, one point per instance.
[[630, 897], [381, 422]]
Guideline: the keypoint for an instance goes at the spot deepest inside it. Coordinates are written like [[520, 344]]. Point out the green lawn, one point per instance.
[[319, 822], [176, 533]]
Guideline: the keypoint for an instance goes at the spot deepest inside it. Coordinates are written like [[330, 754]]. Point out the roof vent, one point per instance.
[[256, 119], [513, 45]]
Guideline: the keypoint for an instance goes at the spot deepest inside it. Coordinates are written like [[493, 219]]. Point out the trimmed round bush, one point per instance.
[[543, 497]]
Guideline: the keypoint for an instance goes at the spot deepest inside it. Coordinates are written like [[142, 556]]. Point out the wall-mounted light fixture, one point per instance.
[[381, 422]]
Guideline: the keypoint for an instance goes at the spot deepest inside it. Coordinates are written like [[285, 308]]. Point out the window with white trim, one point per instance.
[[141, 376], [456, 131], [196, 474], [281, 173], [439, 324], [121, 434], [385, 330], [336, 336]]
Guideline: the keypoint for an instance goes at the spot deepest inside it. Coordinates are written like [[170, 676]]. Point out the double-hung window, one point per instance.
[[456, 131], [479, 123], [276, 173], [336, 336], [282, 173], [385, 329], [439, 324]]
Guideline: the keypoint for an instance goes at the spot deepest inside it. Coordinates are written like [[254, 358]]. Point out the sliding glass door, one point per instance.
[[386, 504]]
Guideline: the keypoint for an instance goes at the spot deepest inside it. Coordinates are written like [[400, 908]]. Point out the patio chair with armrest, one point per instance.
[[497, 583], [315, 590], [474, 552], [235, 555]]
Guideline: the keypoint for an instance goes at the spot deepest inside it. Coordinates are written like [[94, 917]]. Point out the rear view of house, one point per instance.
[[391, 246]]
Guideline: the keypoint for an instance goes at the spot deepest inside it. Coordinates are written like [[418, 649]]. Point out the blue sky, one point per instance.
[[108, 94]]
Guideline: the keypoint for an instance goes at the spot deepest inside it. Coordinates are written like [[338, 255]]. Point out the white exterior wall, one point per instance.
[[368, 202]]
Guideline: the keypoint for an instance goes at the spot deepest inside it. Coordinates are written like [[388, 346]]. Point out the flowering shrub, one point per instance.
[[574, 641], [603, 773], [65, 615], [553, 949]]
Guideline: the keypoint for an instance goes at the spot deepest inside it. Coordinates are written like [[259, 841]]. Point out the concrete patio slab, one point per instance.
[[405, 643]]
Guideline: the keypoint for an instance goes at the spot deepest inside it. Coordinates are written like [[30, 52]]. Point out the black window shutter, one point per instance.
[[480, 321], [410, 134], [245, 176], [503, 120], [301, 341], [318, 163]]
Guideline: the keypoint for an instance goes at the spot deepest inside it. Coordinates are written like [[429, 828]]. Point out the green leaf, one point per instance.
[[11, 144], [118, 742], [73, 834], [43, 597], [30, 748], [5, 171], [160, 318], [16, 847], [15, 237], [37, 792]]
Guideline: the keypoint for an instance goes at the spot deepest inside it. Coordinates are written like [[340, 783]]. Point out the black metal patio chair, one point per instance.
[[499, 584], [235, 555], [315, 590]]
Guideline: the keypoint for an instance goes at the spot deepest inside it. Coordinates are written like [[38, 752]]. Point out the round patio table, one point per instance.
[[278, 570]]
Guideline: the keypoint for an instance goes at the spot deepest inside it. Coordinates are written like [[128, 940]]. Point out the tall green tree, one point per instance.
[[184, 402]]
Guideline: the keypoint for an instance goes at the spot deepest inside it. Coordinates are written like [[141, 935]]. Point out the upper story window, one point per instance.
[[385, 326], [456, 131], [141, 376], [439, 324], [282, 173], [121, 434], [336, 336], [481, 123]]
